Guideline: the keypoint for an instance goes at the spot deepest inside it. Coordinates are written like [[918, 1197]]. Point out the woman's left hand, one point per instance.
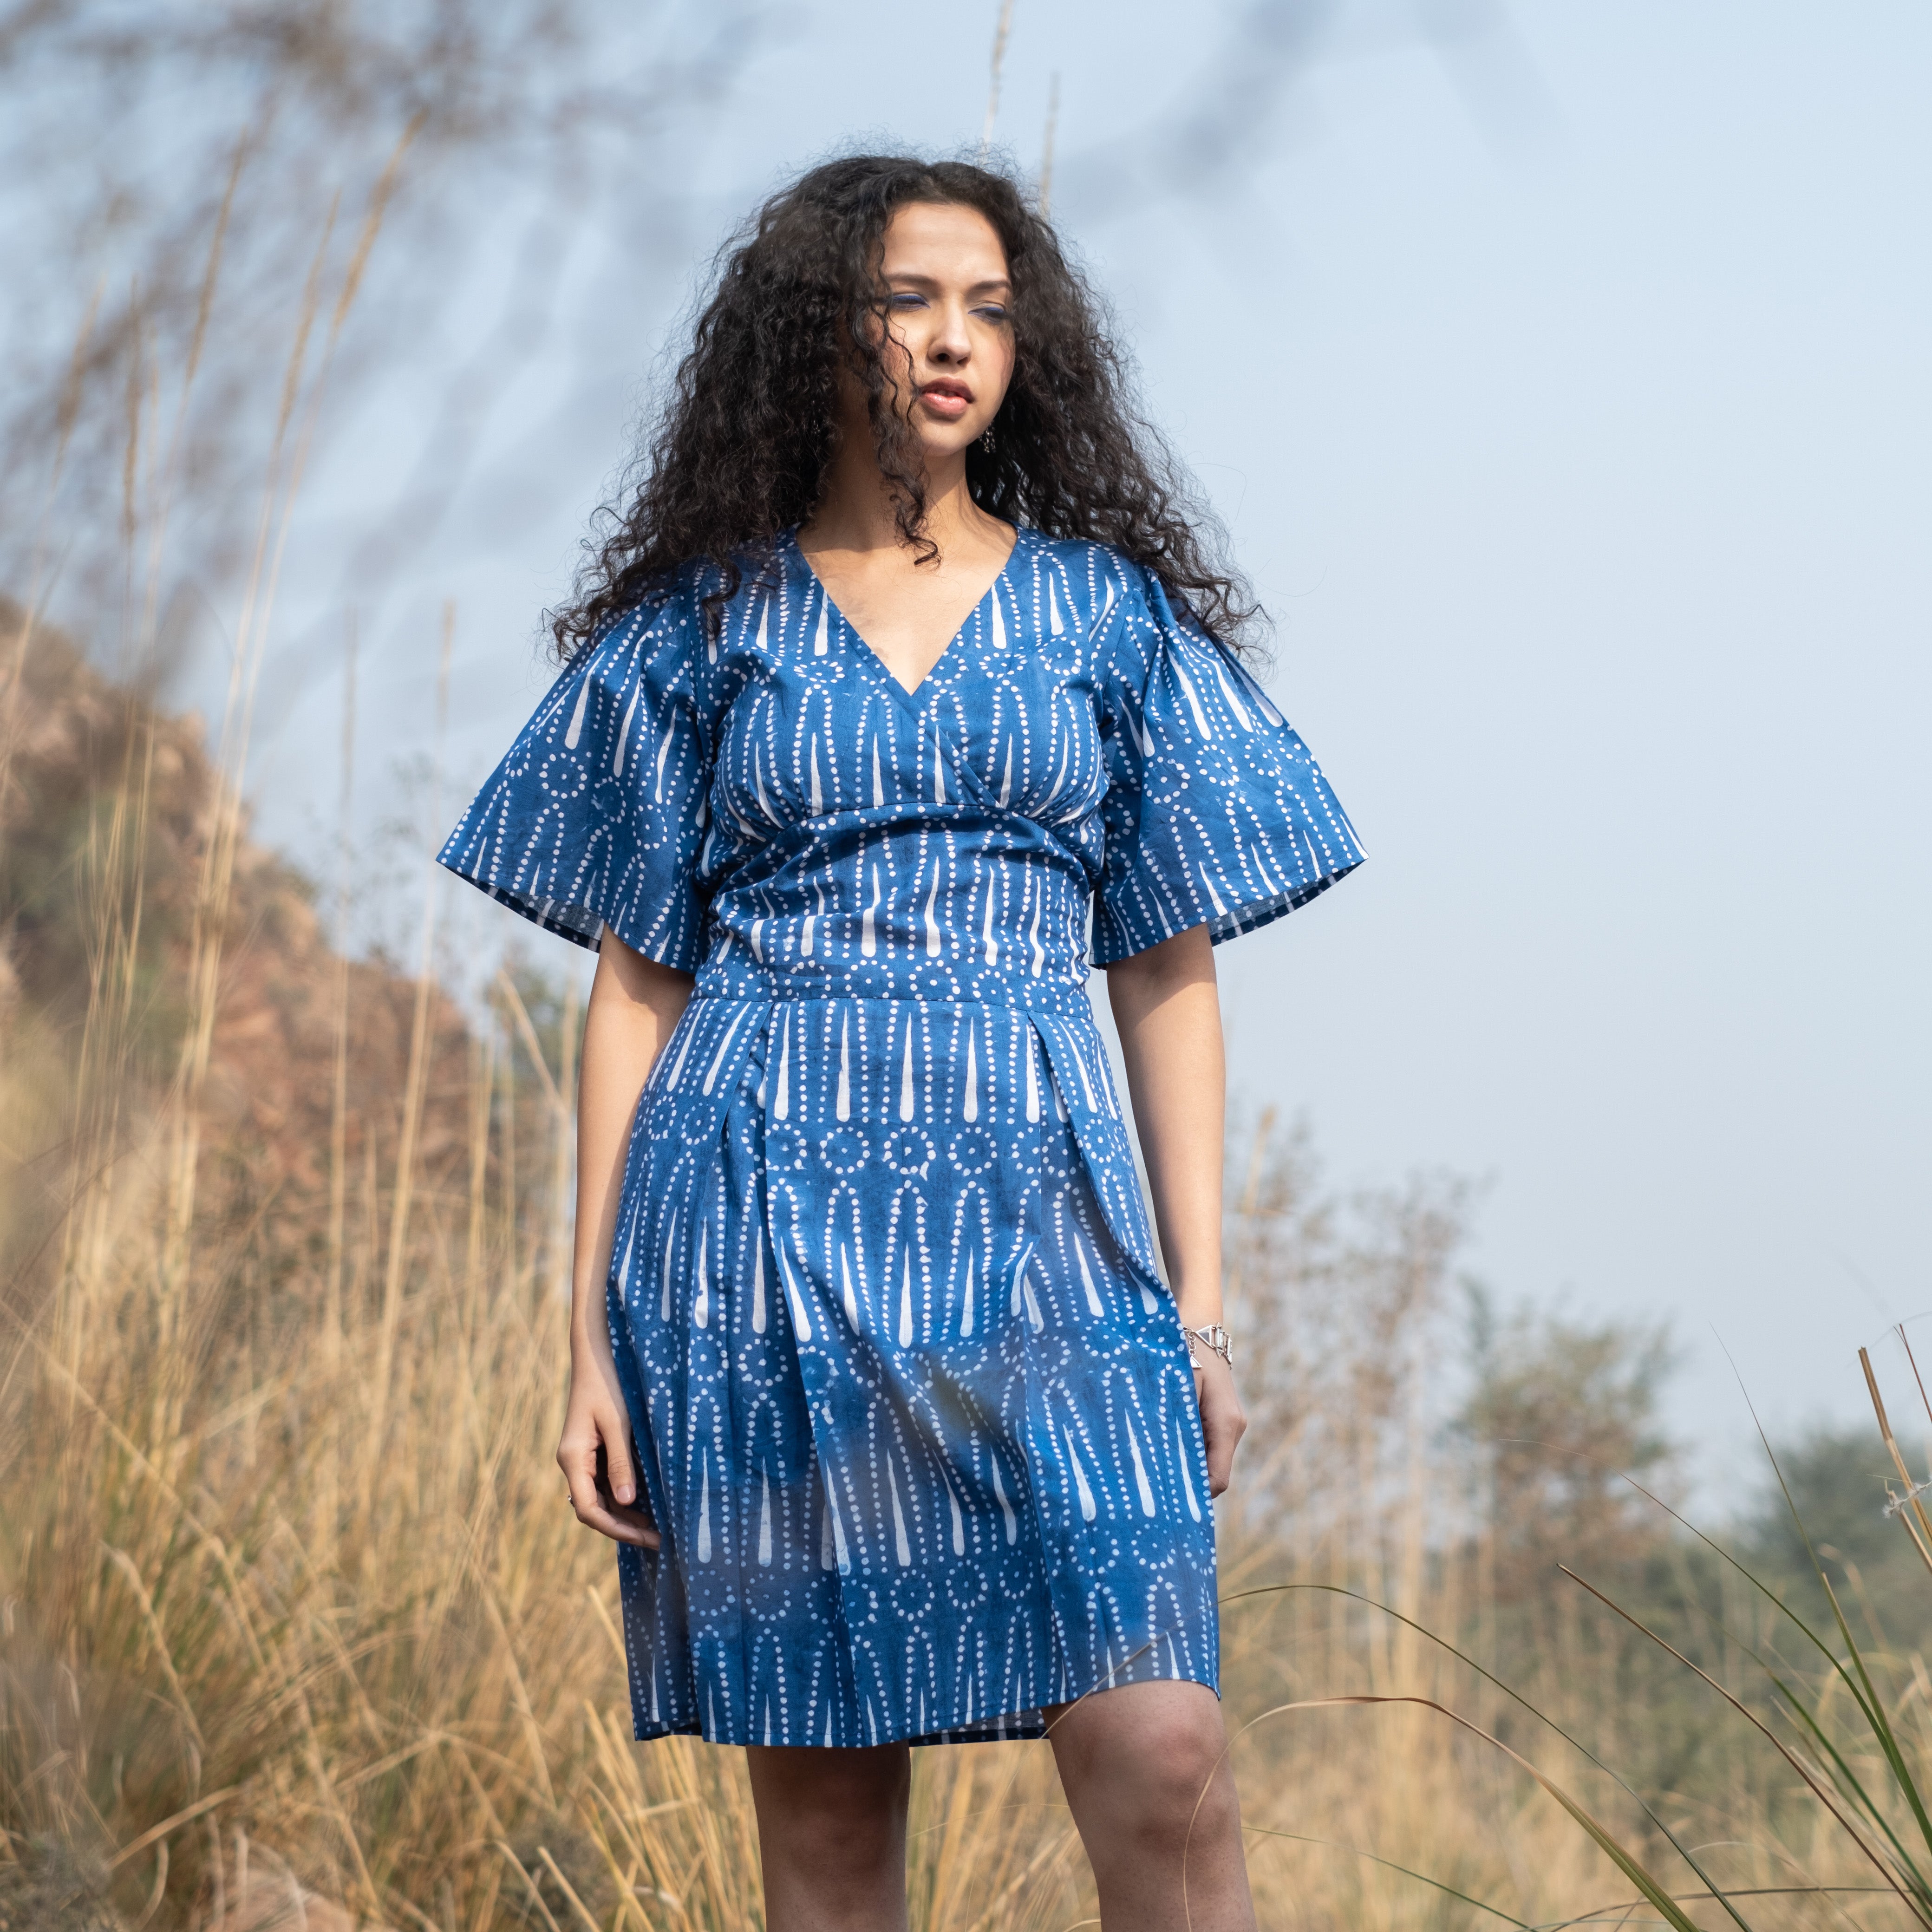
[[1222, 1420]]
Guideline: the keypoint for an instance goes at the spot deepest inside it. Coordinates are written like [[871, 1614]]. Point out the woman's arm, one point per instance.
[[1169, 1013], [634, 1004]]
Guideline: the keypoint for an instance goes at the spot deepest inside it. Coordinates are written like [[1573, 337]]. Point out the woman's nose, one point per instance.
[[951, 341]]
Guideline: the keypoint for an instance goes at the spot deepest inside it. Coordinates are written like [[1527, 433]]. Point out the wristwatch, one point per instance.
[[1216, 1337]]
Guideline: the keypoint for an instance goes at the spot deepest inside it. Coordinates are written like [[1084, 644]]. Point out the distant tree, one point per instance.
[[1833, 1484], [1337, 1302], [1560, 1412]]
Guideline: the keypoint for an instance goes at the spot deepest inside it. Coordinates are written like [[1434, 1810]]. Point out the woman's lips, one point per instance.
[[951, 404]]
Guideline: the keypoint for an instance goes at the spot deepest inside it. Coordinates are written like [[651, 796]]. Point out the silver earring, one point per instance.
[[986, 439]]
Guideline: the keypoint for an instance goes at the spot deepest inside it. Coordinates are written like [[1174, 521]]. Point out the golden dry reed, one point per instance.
[[293, 1602], [294, 1624]]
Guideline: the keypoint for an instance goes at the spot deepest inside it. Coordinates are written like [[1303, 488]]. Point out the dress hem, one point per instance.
[[1022, 1727]]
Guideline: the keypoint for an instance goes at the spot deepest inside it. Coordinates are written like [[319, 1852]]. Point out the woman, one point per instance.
[[901, 663]]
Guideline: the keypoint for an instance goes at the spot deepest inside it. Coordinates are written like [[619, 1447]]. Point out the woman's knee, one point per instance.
[[1187, 1788], [1157, 1771]]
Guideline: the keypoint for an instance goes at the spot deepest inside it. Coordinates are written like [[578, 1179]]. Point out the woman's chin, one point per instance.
[[945, 442]]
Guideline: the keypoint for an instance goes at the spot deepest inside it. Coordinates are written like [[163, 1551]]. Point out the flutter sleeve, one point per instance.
[[1215, 814], [595, 815]]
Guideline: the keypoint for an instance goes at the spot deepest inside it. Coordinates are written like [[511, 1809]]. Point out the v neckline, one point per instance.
[[910, 695]]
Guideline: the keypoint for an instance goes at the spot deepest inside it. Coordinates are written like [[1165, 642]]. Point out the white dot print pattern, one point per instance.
[[913, 1409]]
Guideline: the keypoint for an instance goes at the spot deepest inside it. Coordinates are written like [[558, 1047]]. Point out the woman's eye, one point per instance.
[[907, 298], [990, 312]]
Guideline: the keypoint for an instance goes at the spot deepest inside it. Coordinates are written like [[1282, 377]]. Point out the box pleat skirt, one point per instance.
[[913, 1409]]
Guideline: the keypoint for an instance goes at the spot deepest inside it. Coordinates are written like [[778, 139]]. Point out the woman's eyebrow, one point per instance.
[[913, 279]]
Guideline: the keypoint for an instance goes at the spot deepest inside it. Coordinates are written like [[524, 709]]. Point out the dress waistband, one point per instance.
[[928, 985]]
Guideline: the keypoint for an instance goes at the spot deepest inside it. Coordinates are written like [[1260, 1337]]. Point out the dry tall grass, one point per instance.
[[294, 1621], [292, 1604]]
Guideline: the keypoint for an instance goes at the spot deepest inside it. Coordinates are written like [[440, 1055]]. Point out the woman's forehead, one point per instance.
[[943, 240]]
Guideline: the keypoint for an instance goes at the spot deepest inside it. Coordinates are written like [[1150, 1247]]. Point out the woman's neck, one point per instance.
[[856, 511]]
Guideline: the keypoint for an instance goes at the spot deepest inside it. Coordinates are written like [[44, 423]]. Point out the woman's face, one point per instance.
[[949, 335]]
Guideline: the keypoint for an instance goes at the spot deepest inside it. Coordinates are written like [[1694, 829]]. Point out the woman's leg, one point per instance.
[[831, 1837], [1144, 1770]]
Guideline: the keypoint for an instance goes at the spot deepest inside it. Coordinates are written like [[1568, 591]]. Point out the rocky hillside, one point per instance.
[[106, 806]]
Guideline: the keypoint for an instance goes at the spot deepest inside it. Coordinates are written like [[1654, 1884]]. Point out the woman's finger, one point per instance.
[[1222, 1422], [620, 1461], [1220, 1460], [594, 1473], [617, 1464], [576, 1457], [621, 1525]]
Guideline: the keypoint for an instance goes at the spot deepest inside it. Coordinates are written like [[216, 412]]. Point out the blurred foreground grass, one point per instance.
[[294, 1627], [293, 1622]]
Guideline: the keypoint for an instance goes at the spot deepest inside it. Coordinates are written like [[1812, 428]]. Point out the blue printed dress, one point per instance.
[[913, 1406]]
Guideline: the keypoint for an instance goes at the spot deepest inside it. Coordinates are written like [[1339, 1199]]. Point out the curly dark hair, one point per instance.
[[739, 451]]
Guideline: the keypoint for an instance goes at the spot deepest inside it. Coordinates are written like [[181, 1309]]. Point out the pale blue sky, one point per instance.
[[1562, 373]]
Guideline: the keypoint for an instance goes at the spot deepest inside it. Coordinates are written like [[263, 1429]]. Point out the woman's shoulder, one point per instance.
[[655, 627], [1115, 594], [675, 610], [1100, 580]]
